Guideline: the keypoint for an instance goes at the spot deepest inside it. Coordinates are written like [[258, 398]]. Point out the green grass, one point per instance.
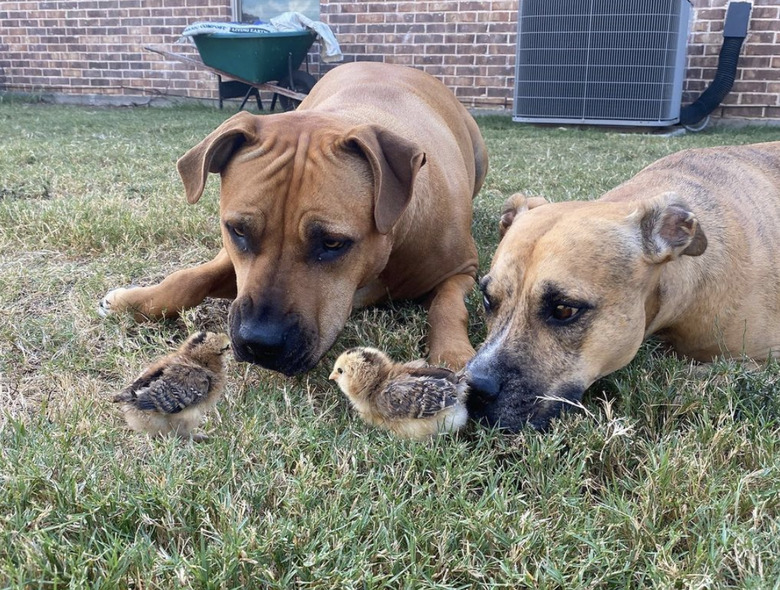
[[672, 479]]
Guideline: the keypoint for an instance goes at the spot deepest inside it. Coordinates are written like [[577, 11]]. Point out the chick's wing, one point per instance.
[[173, 389], [432, 372], [416, 397]]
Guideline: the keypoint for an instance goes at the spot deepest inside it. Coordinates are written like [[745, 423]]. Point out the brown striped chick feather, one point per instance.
[[411, 400], [175, 392]]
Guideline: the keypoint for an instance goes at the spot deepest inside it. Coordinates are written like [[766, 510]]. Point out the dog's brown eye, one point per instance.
[[333, 244], [238, 236], [563, 312], [328, 249], [487, 303], [235, 231]]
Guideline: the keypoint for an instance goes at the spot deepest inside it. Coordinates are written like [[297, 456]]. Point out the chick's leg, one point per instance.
[[178, 291], [448, 319]]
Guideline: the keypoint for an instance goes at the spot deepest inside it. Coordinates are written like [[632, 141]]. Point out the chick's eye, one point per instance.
[[340, 371]]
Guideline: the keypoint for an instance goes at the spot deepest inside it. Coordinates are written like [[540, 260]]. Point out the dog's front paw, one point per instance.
[[454, 357], [112, 303]]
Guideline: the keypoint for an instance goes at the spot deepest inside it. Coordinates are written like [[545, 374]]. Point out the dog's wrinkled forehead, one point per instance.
[[284, 148], [558, 244], [271, 139]]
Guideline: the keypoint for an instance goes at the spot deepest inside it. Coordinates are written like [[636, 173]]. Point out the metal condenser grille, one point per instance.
[[601, 61]]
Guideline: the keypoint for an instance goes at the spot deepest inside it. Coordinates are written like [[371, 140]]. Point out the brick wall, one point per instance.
[[95, 47], [469, 45], [83, 47]]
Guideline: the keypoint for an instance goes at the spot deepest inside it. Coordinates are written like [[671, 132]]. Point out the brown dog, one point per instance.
[[362, 194], [688, 250]]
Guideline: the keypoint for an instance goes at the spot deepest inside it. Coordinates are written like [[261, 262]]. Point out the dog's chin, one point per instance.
[[515, 409], [289, 365]]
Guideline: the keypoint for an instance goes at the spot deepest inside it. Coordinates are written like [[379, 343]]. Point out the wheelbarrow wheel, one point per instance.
[[301, 82]]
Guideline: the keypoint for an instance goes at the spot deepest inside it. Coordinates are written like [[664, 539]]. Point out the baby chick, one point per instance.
[[175, 392], [410, 400]]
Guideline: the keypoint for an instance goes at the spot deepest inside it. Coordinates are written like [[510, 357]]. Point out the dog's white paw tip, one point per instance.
[[102, 309], [107, 305]]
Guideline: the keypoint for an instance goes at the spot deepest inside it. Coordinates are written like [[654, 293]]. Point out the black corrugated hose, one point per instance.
[[734, 33]]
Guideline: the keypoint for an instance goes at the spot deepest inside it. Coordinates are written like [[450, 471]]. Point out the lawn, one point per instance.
[[671, 479]]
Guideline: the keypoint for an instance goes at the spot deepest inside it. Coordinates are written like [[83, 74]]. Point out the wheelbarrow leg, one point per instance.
[[289, 77], [252, 92], [246, 98]]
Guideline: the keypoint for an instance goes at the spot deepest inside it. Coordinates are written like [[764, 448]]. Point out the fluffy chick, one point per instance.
[[175, 392], [412, 400]]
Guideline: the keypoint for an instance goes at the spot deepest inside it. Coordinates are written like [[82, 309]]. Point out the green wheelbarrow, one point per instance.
[[257, 61]]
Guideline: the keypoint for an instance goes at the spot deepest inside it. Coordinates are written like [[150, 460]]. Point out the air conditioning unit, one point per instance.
[[608, 62]]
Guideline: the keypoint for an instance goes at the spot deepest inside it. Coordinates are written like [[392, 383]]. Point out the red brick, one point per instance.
[[761, 49], [353, 7], [740, 112], [370, 18], [717, 14], [757, 99], [767, 12], [764, 25], [766, 74]]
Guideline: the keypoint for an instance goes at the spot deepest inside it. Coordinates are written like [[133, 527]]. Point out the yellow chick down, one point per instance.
[[411, 400], [173, 395]]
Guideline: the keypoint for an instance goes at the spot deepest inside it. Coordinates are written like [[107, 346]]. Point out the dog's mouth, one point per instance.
[[289, 363]]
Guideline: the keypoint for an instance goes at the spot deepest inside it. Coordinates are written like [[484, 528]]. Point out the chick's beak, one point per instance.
[[333, 375]]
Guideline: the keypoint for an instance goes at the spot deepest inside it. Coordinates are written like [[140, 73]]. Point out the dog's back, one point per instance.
[[411, 103], [734, 192], [745, 177]]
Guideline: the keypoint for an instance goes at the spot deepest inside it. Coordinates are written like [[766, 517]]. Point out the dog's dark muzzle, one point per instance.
[[503, 396], [270, 339]]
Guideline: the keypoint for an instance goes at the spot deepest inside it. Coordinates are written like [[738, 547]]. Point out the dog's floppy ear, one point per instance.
[[513, 206], [395, 162], [670, 229], [211, 154]]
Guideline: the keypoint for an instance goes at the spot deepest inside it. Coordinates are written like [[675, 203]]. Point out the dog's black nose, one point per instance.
[[483, 386], [260, 342]]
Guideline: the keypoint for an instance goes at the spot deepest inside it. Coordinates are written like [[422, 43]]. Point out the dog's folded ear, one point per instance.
[[211, 154], [670, 229], [513, 206], [395, 162]]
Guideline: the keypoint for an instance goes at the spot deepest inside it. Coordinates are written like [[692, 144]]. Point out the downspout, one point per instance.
[[734, 33]]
